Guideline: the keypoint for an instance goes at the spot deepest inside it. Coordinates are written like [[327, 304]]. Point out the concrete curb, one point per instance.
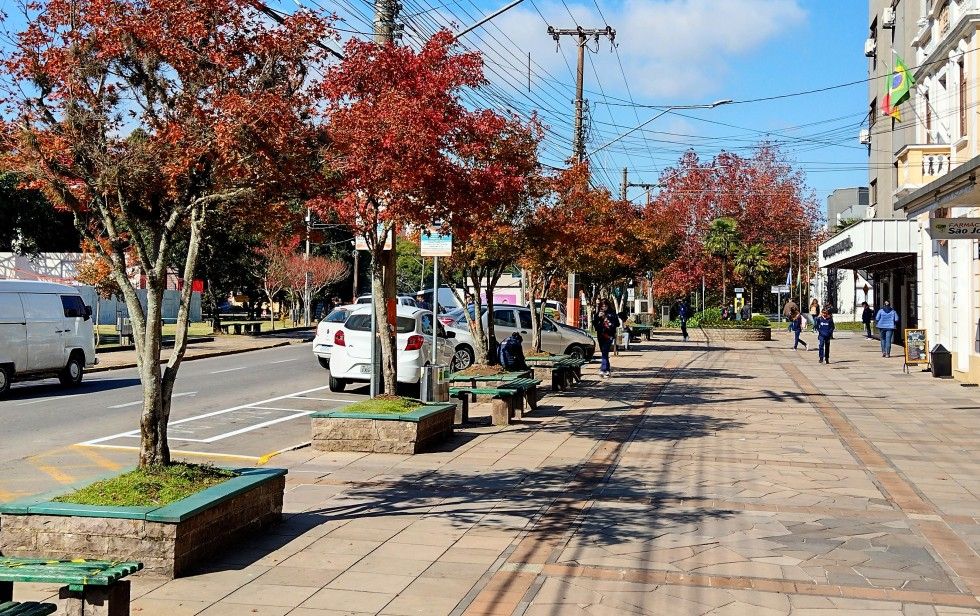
[[201, 356]]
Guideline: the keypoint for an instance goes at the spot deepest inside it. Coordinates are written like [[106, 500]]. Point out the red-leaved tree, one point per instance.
[[145, 119]]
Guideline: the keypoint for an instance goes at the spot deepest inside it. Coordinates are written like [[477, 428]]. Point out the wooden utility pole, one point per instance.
[[582, 36]]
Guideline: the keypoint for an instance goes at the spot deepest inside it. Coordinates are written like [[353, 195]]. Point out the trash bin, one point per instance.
[[942, 362], [434, 384], [124, 327]]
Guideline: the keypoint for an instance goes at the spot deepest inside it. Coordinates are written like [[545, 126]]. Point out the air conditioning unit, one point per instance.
[[870, 47], [864, 136], [888, 17]]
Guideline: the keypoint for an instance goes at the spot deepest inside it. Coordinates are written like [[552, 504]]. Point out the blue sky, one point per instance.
[[669, 52]]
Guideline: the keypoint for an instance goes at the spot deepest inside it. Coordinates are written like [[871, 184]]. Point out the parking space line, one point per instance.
[[275, 408], [257, 426], [138, 402], [325, 399], [48, 399], [230, 369], [99, 460], [57, 474], [135, 433], [282, 361]]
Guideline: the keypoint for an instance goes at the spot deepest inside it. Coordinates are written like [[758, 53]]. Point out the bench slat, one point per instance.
[[27, 608], [74, 573], [481, 391]]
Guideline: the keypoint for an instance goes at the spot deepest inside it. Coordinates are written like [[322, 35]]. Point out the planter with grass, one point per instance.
[[709, 325], [383, 425], [169, 518]]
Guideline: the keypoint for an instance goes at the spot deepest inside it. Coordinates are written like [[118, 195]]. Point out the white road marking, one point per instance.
[[135, 433], [230, 369], [51, 399], [138, 402], [325, 399], [277, 408], [257, 426], [282, 361]]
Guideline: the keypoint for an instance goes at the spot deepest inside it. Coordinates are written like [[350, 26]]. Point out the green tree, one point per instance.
[[412, 272], [28, 223], [721, 241], [752, 265]]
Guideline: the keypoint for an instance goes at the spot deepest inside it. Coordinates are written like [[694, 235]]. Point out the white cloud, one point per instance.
[[675, 50]]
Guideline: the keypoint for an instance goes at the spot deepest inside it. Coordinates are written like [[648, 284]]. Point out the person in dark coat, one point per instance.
[[511, 353], [867, 316], [824, 326], [683, 312], [605, 323]]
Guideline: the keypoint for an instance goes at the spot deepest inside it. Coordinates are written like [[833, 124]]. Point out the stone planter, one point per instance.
[[168, 540], [734, 333], [407, 433]]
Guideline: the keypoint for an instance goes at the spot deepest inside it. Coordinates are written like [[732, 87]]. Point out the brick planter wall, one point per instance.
[[184, 534], [407, 434], [732, 334]]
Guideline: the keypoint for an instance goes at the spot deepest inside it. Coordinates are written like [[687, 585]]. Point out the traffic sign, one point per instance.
[[436, 244]]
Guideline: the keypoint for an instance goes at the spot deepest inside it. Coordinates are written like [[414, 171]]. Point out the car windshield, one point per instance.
[[337, 316], [362, 323], [364, 300]]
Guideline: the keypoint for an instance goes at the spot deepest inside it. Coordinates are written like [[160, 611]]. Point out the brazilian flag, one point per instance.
[[899, 86]]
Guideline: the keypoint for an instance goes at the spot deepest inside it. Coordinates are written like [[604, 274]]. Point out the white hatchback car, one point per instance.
[[323, 342], [350, 358], [555, 337]]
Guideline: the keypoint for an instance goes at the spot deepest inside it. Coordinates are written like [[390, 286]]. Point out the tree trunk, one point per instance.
[[98, 309], [724, 282], [476, 321], [493, 275], [389, 373], [153, 426]]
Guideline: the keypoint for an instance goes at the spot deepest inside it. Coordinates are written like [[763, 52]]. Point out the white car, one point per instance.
[[403, 300], [350, 358], [555, 338], [45, 330], [323, 341]]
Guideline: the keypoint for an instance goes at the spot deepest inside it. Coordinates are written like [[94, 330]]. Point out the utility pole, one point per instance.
[[582, 36]]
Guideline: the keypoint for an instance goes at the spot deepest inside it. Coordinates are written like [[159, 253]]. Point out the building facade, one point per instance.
[[937, 177]]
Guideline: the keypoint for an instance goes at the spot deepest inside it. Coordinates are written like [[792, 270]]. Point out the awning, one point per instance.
[[872, 245]]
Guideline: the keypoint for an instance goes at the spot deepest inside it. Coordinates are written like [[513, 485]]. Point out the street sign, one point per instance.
[[781, 288], [361, 244], [436, 244], [739, 290]]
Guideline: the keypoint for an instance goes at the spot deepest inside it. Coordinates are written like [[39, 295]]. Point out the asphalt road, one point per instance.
[[237, 409]]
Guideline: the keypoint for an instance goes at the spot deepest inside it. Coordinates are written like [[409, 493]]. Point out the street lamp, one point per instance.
[[665, 111]]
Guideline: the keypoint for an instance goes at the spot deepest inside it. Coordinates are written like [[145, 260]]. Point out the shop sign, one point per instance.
[[915, 347], [954, 228], [436, 244], [842, 246]]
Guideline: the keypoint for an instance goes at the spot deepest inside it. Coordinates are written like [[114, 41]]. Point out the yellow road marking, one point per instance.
[[99, 460], [56, 473], [197, 454]]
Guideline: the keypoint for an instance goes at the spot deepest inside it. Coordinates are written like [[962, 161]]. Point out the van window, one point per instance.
[[11, 310], [504, 318], [73, 305], [43, 307]]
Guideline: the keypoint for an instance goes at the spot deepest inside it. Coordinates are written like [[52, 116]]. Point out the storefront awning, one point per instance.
[[872, 245]]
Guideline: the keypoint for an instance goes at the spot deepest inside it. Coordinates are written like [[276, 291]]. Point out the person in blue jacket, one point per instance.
[[683, 312], [796, 325], [824, 326], [886, 321]]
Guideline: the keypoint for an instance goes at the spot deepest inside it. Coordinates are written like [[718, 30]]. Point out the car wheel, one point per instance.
[[324, 362], [71, 374], [6, 376], [575, 352], [463, 358], [337, 384]]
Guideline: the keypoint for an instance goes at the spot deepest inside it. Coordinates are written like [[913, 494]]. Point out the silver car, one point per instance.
[[555, 338]]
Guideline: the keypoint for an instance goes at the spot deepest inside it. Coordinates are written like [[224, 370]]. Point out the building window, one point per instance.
[[962, 67], [873, 35], [873, 113], [928, 118], [944, 18], [874, 193]]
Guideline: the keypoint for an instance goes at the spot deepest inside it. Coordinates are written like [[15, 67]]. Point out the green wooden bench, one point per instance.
[[91, 587], [526, 389], [28, 608], [501, 403], [639, 328]]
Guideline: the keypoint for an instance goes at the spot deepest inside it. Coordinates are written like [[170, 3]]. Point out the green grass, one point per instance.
[[849, 326], [383, 406], [153, 486]]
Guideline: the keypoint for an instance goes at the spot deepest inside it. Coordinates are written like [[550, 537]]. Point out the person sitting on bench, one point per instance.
[[511, 353]]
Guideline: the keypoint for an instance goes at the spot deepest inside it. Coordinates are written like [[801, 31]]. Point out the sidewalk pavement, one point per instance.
[[221, 345], [742, 478]]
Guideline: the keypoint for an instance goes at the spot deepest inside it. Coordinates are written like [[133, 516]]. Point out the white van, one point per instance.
[[45, 330]]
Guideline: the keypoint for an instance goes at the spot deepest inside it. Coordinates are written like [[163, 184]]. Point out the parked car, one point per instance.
[[552, 308], [350, 359], [555, 338], [403, 300], [323, 341], [45, 330]]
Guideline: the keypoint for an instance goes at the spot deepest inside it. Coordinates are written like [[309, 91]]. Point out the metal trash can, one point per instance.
[[942, 362], [434, 384], [124, 327]]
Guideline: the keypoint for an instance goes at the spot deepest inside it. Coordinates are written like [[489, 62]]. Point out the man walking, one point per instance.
[[867, 315], [682, 315], [788, 309], [605, 323], [824, 326], [886, 321], [796, 324]]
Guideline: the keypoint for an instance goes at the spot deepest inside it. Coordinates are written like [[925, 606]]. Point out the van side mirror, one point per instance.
[[88, 312]]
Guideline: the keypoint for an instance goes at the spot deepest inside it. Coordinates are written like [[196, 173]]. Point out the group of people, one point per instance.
[[821, 320]]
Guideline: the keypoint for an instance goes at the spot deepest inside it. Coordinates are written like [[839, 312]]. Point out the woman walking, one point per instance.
[[886, 321], [605, 323], [824, 326], [814, 311], [796, 325]]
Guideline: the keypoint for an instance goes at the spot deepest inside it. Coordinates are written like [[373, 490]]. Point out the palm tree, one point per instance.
[[721, 241], [752, 264]]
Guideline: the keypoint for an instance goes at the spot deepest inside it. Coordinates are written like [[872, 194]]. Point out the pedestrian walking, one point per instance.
[[824, 326], [420, 301], [796, 325], [731, 312], [605, 323], [683, 312], [886, 321], [867, 315], [746, 312], [814, 311], [788, 309]]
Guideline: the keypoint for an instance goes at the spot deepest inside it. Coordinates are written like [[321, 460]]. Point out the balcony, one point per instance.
[[919, 164]]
